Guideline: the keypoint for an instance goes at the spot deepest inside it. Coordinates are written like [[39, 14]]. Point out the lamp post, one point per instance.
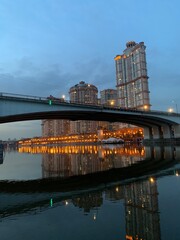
[[175, 105]]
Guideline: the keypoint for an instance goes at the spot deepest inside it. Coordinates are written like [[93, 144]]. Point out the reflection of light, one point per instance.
[[75, 150], [129, 237], [177, 174], [94, 216], [51, 202]]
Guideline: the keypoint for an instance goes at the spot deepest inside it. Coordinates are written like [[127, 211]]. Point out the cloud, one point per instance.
[[31, 78], [97, 71]]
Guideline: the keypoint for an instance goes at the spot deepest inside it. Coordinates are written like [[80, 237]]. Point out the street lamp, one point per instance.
[[170, 110], [145, 107], [176, 105]]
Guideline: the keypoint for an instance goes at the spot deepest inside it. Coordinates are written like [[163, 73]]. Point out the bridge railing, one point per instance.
[[21, 96], [101, 106]]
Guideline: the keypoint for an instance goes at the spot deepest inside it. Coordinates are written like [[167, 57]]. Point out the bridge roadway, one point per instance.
[[156, 124]]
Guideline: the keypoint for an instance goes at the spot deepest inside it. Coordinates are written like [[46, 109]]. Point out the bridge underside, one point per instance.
[[153, 129]]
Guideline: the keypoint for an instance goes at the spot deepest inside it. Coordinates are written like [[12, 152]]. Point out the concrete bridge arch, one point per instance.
[[156, 124]]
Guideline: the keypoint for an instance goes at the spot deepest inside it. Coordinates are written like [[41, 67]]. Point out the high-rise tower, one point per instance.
[[131, 77]]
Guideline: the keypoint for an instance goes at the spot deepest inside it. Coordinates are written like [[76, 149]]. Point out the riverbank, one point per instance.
[[172, 141]]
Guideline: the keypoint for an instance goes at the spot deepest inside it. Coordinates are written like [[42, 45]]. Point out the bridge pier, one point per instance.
[[152, 133], [168, 132], [157, 132], [176, 129], [163, 132], [148, 133]]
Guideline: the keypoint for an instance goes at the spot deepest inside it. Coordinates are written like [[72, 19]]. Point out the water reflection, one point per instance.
[[142, 218], [66, 161], [142, 212], [139, 194]]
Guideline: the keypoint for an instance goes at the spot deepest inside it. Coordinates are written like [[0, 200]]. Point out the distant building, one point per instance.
[[55, 127], [131, 77], [108, 97], [86, 94]]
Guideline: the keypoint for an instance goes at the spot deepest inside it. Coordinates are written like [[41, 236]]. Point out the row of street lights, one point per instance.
[[170, 110]]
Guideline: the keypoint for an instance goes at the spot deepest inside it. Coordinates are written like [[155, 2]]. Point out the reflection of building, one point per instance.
[[141, 207], [64, 161], [114, 193], [56, 165], [87, 94], [131, 77], [88, 201], [140, 197]]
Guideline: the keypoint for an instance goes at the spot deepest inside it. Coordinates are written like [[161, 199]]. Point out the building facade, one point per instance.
[[132, 78], [55, 127], [108, 97], [86, 94]]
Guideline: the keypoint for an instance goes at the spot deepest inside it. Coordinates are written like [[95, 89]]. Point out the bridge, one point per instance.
[[156, 124]]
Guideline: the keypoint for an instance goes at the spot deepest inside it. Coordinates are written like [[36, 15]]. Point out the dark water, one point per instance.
[[90, 192]]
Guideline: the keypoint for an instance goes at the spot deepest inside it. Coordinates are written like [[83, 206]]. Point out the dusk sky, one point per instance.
[[47, 46]]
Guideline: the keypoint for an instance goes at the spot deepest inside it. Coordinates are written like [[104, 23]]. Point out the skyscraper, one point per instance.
[[131, 77], [86, 94]]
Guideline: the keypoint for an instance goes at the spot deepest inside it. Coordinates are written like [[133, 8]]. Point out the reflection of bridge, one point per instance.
[[156, 124], [19, 197]]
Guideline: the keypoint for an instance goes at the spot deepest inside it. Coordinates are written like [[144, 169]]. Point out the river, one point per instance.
[[90, 192]]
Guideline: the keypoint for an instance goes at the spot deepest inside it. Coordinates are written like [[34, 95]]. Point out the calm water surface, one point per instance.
[[93, 192]]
